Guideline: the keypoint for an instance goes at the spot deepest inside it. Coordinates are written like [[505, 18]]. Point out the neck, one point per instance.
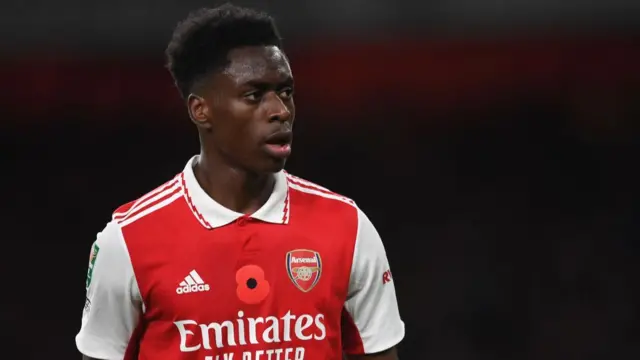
[[232, 187]]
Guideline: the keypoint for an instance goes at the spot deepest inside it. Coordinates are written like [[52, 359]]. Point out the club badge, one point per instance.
[[304, 268]]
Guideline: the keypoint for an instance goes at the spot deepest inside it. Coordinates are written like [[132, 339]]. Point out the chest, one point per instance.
[[252, 269]]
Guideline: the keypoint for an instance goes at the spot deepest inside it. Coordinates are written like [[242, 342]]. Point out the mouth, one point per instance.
[[279, 144], [281, 138]]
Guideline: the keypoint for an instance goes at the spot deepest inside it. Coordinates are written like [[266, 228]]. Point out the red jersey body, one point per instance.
[[175, 275]]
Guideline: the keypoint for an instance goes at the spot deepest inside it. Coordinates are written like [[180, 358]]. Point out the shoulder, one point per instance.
[[154, 200], [321, 198], [109, 249], [317, 199], [312, 192]]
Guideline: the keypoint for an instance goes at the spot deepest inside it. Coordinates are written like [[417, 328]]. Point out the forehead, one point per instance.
[[257, 63]]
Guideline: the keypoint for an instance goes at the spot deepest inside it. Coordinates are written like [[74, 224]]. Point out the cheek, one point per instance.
[[292, 109], [245, 138], [236, 137], [242, 130], [233, 121]]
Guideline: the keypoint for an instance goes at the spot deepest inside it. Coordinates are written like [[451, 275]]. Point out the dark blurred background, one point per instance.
[[494, 145]]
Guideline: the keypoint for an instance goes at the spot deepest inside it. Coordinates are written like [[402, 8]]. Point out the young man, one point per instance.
[[234, 258]]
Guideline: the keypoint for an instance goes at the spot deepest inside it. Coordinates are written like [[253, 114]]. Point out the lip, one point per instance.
[[280, 138], [278, 144], [278, 151]]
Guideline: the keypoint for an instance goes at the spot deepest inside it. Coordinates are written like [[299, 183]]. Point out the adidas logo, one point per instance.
[[192, 283]]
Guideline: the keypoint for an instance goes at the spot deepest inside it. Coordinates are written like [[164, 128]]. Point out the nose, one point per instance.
[[277, 109]]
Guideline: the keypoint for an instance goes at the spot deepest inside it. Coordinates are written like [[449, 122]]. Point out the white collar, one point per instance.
[[212, 215]]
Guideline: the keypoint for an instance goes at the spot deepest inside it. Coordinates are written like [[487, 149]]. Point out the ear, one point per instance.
[[199, 111]]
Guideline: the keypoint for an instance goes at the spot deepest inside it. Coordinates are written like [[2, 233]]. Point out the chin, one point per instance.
[[266, 164], [276, 167], [272, 166]]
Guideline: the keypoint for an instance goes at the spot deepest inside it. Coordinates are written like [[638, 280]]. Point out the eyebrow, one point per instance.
[[260, 84]]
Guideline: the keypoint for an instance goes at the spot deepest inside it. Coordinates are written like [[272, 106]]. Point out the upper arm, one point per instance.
[[113, 304], [371, 321]]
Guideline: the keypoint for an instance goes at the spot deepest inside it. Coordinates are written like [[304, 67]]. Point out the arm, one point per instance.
[[113, 305], [371, 323]]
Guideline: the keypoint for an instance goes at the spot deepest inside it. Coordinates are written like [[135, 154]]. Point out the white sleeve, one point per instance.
[[373, 321], [113, 304]]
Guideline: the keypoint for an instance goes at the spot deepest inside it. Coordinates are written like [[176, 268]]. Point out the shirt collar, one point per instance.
[[212, 215]]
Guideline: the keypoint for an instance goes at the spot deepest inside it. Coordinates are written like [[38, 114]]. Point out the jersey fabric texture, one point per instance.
[[175, 275]]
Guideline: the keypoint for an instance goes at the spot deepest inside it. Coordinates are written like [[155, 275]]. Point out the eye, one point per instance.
[[253, 96], [286, 93]]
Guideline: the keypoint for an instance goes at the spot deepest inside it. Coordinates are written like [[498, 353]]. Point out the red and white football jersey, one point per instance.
[[175, 275]]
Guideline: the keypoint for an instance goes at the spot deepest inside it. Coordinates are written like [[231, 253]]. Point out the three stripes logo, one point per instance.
[[192, 283]]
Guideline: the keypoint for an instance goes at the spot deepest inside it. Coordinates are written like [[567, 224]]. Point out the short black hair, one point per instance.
[[200, 43]]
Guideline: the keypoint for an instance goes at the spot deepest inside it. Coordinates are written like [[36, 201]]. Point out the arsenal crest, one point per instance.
[[304, 268]]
